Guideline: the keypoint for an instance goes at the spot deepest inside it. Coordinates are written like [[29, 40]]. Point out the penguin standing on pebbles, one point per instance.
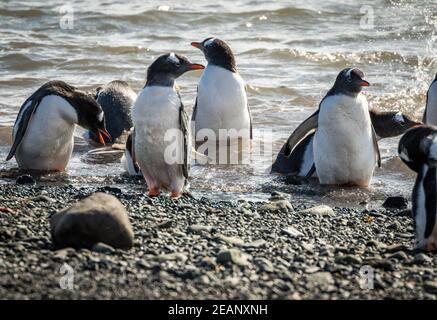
[[418, 150], [116, 99], [430, 115], [157, 114], [221, 101], [43, 132]]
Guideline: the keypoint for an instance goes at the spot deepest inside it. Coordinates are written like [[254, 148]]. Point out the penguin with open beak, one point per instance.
[[161, 137], [418, 150], [43, 131], [221, 103]]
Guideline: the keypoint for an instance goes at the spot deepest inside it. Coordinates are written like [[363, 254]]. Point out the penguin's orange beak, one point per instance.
[[198, 45], [364, 83], [196, 66], [101, 133]]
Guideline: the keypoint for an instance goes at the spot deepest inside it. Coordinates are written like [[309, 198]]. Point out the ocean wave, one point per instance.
[[20, 61], [28, 13]]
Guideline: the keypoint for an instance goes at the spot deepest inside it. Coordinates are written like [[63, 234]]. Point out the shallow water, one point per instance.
[[288, 53]]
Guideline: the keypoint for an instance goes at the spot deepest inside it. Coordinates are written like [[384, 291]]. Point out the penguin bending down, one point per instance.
[[418, 150], [116, 99], [158, 113], [344, 143], [221, 103], [43, 131], [430, 115], [296, 156]]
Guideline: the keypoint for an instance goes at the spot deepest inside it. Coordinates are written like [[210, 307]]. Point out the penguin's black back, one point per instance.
[[116, 99]]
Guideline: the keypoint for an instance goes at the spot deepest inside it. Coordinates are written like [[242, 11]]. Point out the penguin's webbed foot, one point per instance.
[[175, 195], [153, 192]]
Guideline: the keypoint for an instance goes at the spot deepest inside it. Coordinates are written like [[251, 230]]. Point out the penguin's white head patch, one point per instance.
[[172, 58], [209, 42], [399, 118], [100, 116]]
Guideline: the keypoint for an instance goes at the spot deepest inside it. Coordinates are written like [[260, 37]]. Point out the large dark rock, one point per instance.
[[99, 218], [396, 202], [25, 179]]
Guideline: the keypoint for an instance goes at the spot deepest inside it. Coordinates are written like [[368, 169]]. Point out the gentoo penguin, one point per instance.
[[43, 132], [221, 101], [418, 149], [116, 99], [430, 115], [128, 159], [157, 114], [298, 159], [344, 147]]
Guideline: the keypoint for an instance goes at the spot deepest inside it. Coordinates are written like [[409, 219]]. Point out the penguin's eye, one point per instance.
[[349, 79]]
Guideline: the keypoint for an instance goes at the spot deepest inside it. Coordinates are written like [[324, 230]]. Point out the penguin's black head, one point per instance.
[[168, 67], [90, 115], [401, 122], [350, 81], [428, 146], [217, 52], [418, 146]]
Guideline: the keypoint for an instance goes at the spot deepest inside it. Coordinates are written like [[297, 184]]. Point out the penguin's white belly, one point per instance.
[[343, 144], [431, 106], [221, 102], [48, 141], [156, 120]]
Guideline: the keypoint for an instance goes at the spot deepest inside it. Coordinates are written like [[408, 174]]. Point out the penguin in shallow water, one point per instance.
[[43, 132], [161, 135], [418, 150], [116, 99], [221, 101], [430, 115], [345, 146], [298, 159]]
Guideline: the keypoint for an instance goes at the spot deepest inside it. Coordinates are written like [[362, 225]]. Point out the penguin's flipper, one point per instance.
[[424, 113], [376, 147], [23, 119], [299, 162], [193, 115], [310, 124], [250, 117], [130, 147], [311, 172], [184, 124]]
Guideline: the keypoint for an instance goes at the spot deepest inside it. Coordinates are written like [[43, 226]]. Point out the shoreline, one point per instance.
[[279, 254]]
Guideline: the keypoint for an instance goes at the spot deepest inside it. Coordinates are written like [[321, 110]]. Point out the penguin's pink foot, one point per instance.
[[153, 192], [175, 195]]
